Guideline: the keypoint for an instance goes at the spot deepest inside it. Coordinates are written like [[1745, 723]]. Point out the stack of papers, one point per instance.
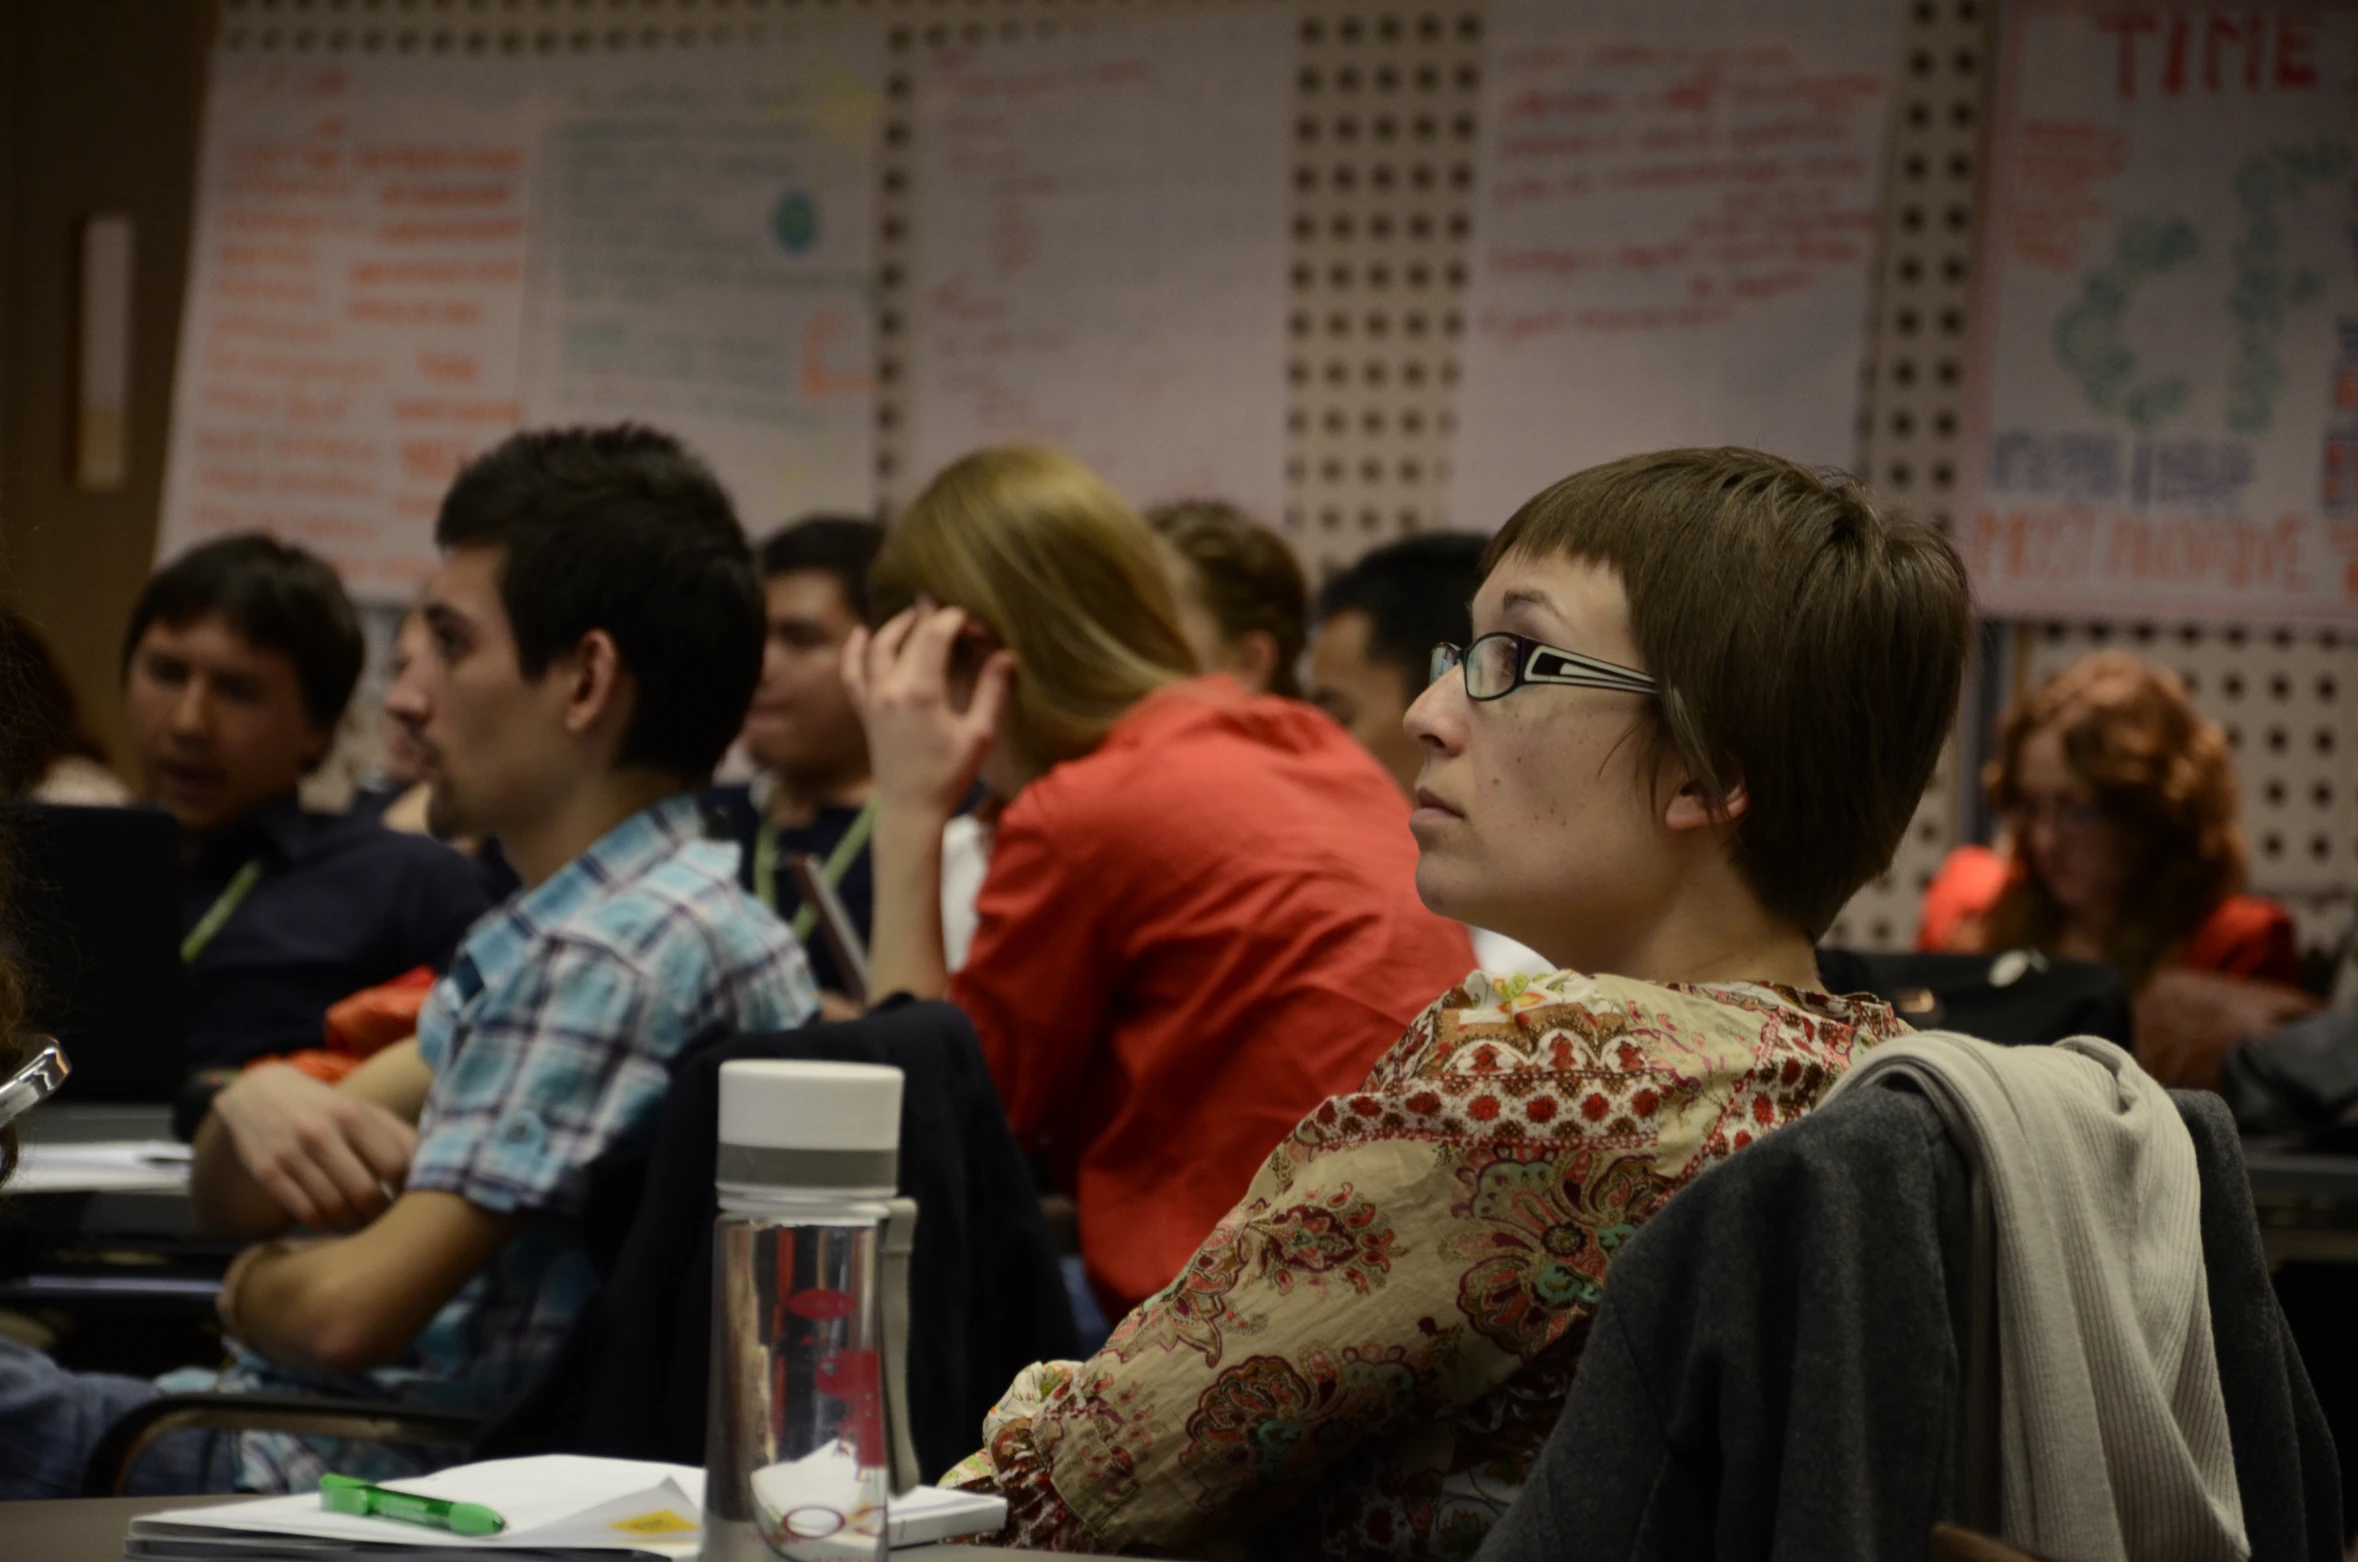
[[556, 1505]]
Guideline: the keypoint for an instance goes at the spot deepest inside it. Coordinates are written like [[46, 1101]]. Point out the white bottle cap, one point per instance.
[[820, 1126]]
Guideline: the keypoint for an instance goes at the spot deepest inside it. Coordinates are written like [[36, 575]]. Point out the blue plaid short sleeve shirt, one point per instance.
[[552, 1036], [551, 1040]]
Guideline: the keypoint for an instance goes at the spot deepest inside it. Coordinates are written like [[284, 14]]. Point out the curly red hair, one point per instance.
[[2160, 772]]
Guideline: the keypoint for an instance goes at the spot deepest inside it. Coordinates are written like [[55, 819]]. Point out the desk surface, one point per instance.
[[82, 1122], [92, 1530]]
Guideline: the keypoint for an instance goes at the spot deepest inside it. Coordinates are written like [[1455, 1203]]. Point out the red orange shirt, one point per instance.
[[1187, 939], [2245, 935]]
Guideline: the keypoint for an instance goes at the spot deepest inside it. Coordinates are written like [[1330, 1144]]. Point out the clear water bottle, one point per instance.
[[797, 1455]]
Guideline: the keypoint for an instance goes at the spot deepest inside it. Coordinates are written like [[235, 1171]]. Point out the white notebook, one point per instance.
[[552, 1502]]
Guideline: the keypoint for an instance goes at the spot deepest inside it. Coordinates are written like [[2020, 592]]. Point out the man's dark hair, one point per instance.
[[843, 546], [278, 597], [1416, 593], [621, 529]]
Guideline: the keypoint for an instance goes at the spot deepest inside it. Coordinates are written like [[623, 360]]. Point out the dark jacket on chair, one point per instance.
[[1777, 1367], [986, 1298]]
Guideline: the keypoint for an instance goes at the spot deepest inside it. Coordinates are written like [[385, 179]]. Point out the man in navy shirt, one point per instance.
[[239, 660], [812, 794]]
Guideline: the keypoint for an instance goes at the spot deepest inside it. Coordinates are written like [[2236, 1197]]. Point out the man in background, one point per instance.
[[811, 795], [1378, 622], [239, 660], [1240, 594]]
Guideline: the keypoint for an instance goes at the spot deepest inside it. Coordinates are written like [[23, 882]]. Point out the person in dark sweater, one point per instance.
[[811, 796], [240, 658]]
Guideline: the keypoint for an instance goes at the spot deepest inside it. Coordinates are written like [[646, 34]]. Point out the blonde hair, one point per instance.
[[1064, 573]]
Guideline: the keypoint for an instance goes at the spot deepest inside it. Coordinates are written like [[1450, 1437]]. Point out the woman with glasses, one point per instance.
[[1199, 916], [1705, 692], [2121, 846]]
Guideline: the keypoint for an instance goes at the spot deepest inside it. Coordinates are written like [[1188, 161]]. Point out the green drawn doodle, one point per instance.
[[795, 222], [2090, 339], [2266, 290]]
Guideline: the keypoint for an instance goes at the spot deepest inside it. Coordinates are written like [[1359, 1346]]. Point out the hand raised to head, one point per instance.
[[924, 748]]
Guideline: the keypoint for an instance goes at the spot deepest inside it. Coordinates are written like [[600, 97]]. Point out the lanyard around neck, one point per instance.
[[224, 906], [839, 861]]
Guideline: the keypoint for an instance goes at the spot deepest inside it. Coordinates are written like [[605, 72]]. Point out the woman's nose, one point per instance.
[[1436, 718]]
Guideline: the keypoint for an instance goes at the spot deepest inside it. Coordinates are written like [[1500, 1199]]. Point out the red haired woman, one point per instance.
[[2121, 846]]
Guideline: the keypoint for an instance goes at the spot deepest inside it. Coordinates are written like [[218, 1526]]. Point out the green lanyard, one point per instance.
[[221, 910], [839, 861]]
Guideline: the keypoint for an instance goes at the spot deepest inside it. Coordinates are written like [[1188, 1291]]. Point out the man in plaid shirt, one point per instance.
[[595, 636]]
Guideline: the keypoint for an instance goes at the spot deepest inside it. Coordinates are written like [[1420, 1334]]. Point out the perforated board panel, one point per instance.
[[1387, 104], [1912, 403], [1387, 98]]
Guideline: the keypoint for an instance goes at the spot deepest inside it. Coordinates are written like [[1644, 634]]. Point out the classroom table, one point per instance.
[[91, 1529], [97, 1218], [2307, 1205], [107, 1190]]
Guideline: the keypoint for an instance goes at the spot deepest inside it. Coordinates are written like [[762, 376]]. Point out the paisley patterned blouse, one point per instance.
[[1365, 1355]]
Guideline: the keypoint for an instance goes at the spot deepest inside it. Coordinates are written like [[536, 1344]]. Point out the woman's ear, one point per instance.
[[1690, 807]]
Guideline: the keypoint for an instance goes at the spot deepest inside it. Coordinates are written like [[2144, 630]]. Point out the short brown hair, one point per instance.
[[2160, 772], [1806, 646], [1064, 574], [1247, 576]]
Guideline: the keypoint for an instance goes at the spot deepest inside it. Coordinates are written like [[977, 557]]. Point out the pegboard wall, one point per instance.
[[1386, 128], [1911, 402], [1387, 99]]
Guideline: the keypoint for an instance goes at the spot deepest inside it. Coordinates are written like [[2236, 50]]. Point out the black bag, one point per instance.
[[2300, 1082], [2017, 999]]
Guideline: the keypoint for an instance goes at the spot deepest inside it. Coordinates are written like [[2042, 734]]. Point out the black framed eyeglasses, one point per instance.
[[1498, 664], [29, 1086]]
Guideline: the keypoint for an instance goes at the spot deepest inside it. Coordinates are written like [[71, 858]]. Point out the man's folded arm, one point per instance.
[[279, 1148], [346, 1304]]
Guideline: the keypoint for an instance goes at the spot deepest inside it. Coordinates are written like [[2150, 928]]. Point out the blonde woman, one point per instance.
[[1200, 914]]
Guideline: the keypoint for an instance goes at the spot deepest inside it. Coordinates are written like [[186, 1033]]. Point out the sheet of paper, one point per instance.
[[558, 1501], [1673, 235], [353, 307], [2162, 412], [1100, 242], [549, 1500], [703, 255], [101, 1166], [397, 261]]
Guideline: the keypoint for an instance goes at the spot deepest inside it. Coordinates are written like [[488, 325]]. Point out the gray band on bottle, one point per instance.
[[772, 1167]]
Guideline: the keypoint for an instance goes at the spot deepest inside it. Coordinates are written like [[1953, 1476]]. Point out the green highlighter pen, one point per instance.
[[365, 1499]]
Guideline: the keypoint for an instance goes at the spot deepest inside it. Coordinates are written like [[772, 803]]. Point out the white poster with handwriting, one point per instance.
[[354, 304], [703, 259], [397, 261], [1673, 235], [1100, 254], [2162, 412]]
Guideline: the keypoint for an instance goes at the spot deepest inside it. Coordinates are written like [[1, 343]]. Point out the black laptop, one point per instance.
[[93, 920]]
